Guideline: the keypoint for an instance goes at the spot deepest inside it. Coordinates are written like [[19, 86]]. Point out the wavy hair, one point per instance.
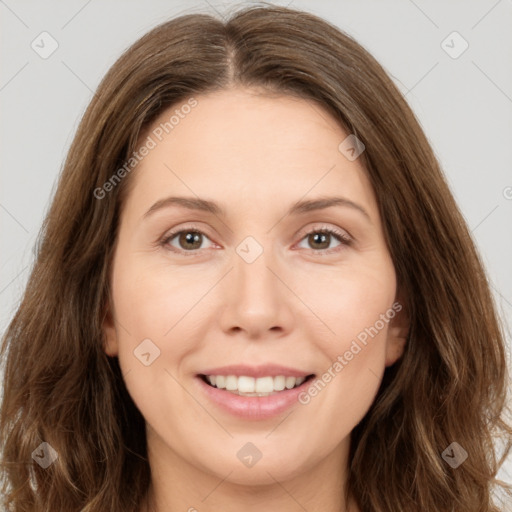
[[60, 387]]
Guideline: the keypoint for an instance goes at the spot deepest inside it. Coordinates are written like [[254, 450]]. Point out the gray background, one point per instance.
[[464, 104]]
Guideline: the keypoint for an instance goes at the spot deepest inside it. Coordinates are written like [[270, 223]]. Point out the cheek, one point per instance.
[[152, 299], [347, 300], [150, 304], [357, 306], [354, 304]]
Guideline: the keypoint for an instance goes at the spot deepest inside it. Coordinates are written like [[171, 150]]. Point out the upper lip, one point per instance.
[[256, 371]]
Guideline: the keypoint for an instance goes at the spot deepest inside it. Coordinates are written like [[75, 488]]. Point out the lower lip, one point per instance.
[[253, 407]]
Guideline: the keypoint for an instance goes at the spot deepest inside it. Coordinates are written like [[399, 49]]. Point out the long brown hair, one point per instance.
[[61, 388]]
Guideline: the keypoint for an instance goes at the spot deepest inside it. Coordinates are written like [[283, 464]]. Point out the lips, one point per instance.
[[253, 392], [272, 370]]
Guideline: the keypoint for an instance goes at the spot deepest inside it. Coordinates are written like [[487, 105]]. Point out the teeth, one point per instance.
[[250, 386], [263, 385], [245, 384], [290, 382], [231, 383], [279, 383]]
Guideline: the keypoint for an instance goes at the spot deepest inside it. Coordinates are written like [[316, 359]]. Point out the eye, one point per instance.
[[188, 240], [322, 238]]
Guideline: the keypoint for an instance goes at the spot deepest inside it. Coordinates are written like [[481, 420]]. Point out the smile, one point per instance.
[[245, 385], [253, 393]]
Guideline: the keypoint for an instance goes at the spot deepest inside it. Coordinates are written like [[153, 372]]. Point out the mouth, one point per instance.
[[254, 393], [248, 386]]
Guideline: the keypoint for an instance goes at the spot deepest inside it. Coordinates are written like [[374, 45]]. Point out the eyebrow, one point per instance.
[[300, 207]]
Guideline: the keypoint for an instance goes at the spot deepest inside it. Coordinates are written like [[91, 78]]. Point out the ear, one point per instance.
[[109, 333], [398, 331]]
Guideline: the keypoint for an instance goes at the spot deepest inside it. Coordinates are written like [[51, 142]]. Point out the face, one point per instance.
[[251, 289]]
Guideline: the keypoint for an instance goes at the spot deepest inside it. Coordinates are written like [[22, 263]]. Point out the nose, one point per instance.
[[258, 301]]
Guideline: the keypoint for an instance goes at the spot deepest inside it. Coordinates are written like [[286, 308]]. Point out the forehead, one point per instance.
[[262, 114], [250, 145]]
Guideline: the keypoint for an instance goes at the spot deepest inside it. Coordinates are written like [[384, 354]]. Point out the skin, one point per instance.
[[255, 155]]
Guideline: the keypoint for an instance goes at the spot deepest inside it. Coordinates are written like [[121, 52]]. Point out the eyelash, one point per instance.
[[344, 240]]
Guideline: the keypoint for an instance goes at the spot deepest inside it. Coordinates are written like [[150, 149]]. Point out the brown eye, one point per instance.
[[187, 240], [190, 240], [321, 239]]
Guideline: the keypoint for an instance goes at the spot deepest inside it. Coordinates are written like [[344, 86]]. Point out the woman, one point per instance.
[[184, 343]]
